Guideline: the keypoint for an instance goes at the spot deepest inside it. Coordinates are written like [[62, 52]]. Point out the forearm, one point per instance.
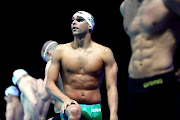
[[44, 111], [112, 94], [54, 91], [34, 111]]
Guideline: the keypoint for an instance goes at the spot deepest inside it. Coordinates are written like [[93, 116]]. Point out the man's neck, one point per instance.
[[83, 42]]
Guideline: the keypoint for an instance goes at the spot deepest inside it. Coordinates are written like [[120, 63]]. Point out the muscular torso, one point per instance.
[[154, 33], [82, 72]]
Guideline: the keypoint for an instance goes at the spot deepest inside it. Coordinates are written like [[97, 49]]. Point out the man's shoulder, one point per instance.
[[26, 80], [100, 46], [60, 51], [62, 46]]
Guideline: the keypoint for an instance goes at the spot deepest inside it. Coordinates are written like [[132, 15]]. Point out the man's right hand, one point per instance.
[[67, 103]]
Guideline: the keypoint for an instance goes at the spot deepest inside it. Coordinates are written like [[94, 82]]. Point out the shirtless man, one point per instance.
[[14, 108], [46, 53], [83, 64], [34, 108], [153, 28]]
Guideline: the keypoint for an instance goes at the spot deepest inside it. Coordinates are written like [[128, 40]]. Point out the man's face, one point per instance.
[[7, 98], [79, 25]]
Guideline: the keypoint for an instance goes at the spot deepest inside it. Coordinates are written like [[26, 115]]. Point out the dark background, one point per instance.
[[27, 26]]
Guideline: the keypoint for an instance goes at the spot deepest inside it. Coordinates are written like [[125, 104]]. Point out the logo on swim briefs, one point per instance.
[[96, 110], [152, 83]]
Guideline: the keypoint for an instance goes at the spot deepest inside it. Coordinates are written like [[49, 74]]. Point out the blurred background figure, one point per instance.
[[46, 53], [153, 29], [14, 108], [34, 107]]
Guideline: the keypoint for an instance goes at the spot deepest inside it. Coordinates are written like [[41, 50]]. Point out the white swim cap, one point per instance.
[[17, 74], [44, 55], [87, 16], [12, 90]]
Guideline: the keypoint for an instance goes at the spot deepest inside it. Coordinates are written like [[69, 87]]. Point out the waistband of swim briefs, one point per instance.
[[166, 77]]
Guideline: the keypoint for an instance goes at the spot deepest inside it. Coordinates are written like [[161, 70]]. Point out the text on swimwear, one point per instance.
[[152, 83], [96, 110]]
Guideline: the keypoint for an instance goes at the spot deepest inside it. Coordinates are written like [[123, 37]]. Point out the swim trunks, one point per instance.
[[152, 97]]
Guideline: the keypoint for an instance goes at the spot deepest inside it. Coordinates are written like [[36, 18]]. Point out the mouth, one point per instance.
[[75, 28]]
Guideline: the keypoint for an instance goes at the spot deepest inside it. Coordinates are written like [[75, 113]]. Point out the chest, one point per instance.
[[149, 16], [83, 62]]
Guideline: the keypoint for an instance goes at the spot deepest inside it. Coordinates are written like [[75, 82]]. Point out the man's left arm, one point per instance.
[[111, 71], [173, 5]]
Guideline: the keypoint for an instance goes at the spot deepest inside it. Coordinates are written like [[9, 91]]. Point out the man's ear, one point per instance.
[[49, 52], [89, 27], [6, 98]]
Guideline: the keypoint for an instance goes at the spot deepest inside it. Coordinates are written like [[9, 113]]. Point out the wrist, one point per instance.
[[114, 117], [65, 98]]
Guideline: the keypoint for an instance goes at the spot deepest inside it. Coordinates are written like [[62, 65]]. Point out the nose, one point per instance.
[[74, 22]]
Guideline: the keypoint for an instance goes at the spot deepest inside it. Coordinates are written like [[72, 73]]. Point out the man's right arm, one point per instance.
[[53, 74], [52, 79]]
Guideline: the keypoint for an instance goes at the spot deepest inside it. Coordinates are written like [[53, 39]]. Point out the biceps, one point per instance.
[[53, 72]]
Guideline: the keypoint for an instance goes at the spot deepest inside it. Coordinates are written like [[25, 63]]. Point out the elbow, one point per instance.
[[45, 98], [34, 105], [50, 87], [47, 88], [108, 87], [111, 88]]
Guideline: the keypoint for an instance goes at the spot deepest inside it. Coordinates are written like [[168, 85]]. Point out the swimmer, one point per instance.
[[46, 53], [83, 63], [14, 108], [153, 28], [34, 108]]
